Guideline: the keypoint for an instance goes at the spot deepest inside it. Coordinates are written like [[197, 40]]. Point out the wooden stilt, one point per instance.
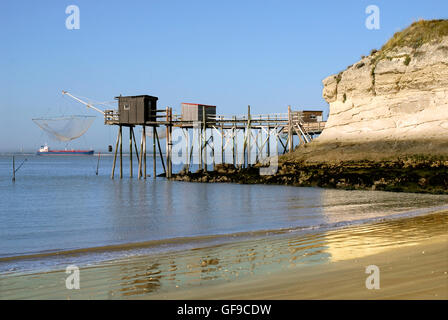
[[167, 133], [204, 152], [169, 143], [116, 151], [200, 147], [222, 141], [249, 131], [191, 153], [285, 145], [160, 153], [136, 151], [144, 152], [140, 157], [187, 157], [257, 146], [204, 142], [290, 138], [121, 153], [245, 132], [213, 150], [234, 141], [268, 147], [154, 167], [130, 152]]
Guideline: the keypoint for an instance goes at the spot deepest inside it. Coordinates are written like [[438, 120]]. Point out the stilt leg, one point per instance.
[[121, 153], [140, 158], [115, 154], [154, 168], [144, 152], [130, 152]]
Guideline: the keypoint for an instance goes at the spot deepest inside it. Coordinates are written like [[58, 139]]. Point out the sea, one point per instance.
[[68, 206]]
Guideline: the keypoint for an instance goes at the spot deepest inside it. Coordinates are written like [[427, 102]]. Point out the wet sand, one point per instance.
[[416, 272], [411, 253]]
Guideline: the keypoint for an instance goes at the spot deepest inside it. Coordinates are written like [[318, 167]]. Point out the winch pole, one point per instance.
[[88, 105]]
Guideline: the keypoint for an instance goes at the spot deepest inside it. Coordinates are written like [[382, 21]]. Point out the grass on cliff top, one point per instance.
[[417, 34]]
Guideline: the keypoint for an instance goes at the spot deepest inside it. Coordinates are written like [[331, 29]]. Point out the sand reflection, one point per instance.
[[142, 276], [230, 262]]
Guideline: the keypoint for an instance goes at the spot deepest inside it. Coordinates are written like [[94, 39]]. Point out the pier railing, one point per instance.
[[111, 117]]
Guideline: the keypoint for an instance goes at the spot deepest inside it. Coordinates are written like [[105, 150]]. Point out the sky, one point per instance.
[[266, 54]]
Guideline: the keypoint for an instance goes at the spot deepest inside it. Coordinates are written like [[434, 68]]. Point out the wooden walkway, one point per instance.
[[257, 131]]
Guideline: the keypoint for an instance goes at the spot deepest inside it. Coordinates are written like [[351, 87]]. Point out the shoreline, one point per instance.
[[173, 245], [285, 266]]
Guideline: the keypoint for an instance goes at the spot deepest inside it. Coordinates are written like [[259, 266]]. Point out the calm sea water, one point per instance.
[[58, 204]]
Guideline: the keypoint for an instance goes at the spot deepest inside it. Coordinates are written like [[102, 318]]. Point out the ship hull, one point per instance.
[[65, 153]]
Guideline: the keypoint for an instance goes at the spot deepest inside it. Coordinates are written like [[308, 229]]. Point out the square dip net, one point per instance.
[[65, 128]]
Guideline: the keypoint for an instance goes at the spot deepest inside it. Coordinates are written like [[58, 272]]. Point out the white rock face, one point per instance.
[[392, 98]]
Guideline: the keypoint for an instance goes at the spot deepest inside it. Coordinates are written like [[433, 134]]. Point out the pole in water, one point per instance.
[[136, 152], [115, 155], [290, 137], [121, 153], [154, 169], [98, 163], [222, 141], [204, 152], [233, 141], [130, 151], [13, 169], [167, 141], [140, 159], [170, 144], [144, 153], [249, 132]]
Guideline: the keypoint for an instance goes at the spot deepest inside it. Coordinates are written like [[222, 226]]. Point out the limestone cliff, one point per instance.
[[399, 93]]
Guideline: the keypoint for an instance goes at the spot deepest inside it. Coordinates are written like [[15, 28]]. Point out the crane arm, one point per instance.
[[88, 105]]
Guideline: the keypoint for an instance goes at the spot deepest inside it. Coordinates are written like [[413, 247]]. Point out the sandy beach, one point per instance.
[[411, 254], [415, 272]]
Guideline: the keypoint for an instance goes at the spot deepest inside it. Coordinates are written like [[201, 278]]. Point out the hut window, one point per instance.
[[125, 107]]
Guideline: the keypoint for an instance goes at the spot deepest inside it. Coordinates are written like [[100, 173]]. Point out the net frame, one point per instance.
[[75, 126]]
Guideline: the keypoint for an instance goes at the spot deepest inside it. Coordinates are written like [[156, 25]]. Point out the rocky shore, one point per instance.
[[401, 175]]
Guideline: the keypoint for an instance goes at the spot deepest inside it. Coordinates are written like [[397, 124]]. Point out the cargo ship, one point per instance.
[[45, 151]]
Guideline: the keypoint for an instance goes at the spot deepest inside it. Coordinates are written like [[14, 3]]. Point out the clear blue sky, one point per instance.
[[228, 53]]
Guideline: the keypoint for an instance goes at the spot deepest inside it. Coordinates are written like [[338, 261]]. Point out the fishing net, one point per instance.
[[65, 128]]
